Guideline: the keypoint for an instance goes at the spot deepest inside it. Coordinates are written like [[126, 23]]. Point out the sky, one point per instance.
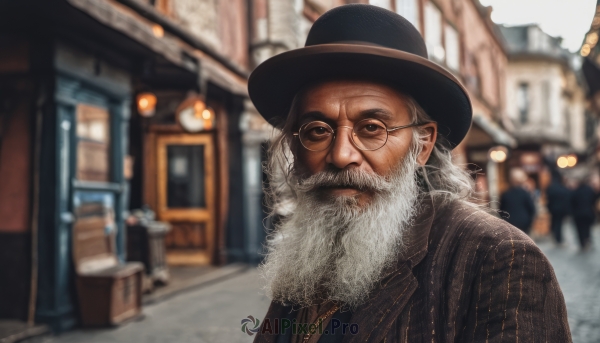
[[569, 19]]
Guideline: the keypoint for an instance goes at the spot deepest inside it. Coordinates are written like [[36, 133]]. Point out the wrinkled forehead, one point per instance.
[[330, 97]]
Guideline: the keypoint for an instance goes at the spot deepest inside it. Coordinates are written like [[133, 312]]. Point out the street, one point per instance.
[[579, 277], [212, 314], [205, 315]]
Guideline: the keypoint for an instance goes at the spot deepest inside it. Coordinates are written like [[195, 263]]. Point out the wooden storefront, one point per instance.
[[73, 144], [186, 180]]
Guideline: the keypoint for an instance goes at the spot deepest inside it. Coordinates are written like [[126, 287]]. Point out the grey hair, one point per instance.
[[440, 177]]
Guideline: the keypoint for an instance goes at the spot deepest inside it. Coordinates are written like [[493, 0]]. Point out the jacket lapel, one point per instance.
[[376, 316]]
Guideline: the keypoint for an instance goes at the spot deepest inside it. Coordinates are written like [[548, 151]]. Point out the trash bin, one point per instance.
[[146, 244]]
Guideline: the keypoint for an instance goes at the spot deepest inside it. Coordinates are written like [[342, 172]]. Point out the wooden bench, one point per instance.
[[109, 293]]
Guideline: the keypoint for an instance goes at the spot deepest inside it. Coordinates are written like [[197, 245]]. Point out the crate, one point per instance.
[[109, 293]]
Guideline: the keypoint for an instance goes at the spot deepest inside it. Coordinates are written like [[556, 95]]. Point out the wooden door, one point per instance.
[[186, 195]]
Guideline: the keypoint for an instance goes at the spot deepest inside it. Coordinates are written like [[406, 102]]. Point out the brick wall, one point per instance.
[[221, 24]]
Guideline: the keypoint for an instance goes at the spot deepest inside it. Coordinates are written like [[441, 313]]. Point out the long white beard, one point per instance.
[[333, 249]]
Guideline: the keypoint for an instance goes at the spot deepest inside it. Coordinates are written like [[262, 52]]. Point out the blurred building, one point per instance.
[[546, 104], [547, 110], [106, 106], [461, 36], [590, 52]]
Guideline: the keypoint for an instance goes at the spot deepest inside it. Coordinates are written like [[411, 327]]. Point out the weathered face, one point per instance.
[[341, 104]]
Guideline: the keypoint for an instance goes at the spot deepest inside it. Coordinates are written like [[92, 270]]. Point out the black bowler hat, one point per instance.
[[366, 42]]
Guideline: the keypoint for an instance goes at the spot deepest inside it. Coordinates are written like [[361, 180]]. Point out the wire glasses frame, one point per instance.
[[368, 134]]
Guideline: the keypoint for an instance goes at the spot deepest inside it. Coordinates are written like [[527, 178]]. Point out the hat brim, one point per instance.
[[274, 83]]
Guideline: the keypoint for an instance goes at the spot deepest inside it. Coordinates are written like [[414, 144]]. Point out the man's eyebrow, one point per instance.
[[378, 113], [314, 115]]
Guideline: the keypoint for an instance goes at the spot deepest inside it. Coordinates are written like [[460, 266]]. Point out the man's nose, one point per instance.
[[343, 152]]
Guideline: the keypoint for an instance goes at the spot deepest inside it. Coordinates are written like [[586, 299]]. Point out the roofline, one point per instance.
[[150, 13], [484, 13]]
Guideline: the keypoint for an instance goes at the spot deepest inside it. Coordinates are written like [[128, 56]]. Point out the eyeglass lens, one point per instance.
[[367, 134]]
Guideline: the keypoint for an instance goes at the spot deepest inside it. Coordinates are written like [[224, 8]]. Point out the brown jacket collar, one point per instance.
[[391, 296]]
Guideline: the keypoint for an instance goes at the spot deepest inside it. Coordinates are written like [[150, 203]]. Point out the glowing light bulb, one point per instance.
[[562, 162], [146, 104], [158, 31], [585, 50], [498, 154]]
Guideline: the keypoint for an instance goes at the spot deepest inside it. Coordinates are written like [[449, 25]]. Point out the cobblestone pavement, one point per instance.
[[210, 314], [578, 274]]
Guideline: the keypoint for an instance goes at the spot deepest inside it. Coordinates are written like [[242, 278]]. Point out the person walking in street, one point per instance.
[[583, 204], [516, 203], [559, 206], [385, 238]]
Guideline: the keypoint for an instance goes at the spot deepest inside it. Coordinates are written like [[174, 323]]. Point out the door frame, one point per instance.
[[197, 215]]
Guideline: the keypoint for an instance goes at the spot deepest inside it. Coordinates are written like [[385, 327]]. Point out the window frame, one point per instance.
[[449, 25], [417, 13], [431, 47], [523, 113]]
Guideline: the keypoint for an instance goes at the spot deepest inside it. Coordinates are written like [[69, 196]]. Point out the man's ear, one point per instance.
[[428, 142]]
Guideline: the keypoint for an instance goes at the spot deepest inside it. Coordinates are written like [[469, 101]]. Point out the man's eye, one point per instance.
[[319, 130], [316, 133], [371, 127]]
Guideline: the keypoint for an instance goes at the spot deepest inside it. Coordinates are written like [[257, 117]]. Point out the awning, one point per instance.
[[485, 132]]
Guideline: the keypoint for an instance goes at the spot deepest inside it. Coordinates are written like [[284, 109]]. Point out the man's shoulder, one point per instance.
[[466, 223], [468, 238]]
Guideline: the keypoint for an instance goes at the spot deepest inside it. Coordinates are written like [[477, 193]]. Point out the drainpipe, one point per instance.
[[39, 120]]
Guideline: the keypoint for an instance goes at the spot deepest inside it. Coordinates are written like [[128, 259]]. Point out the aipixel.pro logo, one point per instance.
[[248, 322]]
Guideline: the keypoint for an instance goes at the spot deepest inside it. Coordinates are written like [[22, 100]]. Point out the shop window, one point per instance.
[[96, 209], [523, 102], [93, 143], [433, 32], [409, 9], [185, 176], [381, 3], [452, 48]]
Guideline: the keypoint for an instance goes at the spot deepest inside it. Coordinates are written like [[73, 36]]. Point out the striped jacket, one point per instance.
[[465, 276]]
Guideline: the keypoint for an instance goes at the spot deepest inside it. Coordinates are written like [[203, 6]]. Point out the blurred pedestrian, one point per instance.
[[559, 206], [531, 187], [517, 203], [583, 201]]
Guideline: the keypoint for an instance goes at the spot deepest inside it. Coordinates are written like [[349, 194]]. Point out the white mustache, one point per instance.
[[354, 178]]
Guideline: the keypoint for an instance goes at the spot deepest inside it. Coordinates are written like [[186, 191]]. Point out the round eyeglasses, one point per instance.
[[367, 134]]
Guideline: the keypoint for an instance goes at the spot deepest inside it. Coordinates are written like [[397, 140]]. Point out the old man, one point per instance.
[[383, 243]]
